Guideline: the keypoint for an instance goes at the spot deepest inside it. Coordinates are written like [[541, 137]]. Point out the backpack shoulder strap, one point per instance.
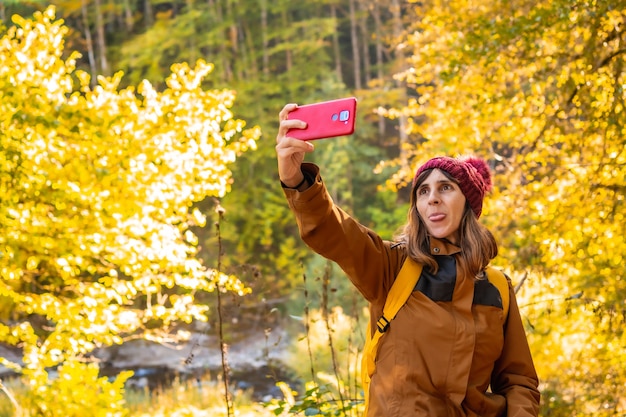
[[399, 293], [500, 281]]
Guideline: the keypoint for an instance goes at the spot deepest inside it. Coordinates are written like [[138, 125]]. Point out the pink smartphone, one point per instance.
[[326, 119]]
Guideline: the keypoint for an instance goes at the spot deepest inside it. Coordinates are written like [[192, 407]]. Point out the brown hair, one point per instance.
[[478, 246]]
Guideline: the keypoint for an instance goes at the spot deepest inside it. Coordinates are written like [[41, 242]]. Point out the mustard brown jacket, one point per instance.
[[448, 352]]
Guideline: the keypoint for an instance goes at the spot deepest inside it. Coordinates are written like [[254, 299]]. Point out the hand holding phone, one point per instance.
[[326, 119]]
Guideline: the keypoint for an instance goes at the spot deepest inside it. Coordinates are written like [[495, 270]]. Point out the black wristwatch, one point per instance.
[[306, 178]]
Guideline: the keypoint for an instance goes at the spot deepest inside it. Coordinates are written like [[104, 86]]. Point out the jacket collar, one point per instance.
[[442, 247]]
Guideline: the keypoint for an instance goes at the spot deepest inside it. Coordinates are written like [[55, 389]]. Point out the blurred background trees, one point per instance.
[[536, 88]]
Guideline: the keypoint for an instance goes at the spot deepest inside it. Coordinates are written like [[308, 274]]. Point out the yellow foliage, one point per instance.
[[578, 348], [537, 88], [97, 186], [77, 391]]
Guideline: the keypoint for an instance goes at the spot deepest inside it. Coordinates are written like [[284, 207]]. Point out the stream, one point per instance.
[[254, 357], [254, 361]]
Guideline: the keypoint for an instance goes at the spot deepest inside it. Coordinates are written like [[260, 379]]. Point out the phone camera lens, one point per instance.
[[344, 115]]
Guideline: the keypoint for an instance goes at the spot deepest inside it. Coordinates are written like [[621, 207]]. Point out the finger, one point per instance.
[[293, 145], [286, 110], [292, 124], [285, 125]]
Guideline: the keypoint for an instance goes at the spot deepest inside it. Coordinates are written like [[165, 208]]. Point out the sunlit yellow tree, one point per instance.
[[97, 187], [538, 88]]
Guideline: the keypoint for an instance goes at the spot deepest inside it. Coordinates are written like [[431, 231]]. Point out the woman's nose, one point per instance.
[[433, 198]]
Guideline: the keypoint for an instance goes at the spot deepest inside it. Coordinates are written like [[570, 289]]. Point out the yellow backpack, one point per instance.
[[398, 294]]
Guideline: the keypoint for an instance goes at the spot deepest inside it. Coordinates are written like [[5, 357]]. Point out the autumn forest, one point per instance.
[[139, 195]]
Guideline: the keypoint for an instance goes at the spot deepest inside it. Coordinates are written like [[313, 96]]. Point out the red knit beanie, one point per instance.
[[472, 174]]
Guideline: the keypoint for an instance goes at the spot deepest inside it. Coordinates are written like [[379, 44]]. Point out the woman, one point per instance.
[[449, 351]]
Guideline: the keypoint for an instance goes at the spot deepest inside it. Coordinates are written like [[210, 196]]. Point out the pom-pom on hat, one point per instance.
[[472, 174]]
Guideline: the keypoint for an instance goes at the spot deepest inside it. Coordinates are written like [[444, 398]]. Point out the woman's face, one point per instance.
[[440, 203]]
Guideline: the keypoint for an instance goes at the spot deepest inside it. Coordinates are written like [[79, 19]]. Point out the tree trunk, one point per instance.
[[233, 30], [102, 49], [88, 40], [217, 15], [250, 68], [129, 21], [191, 41], [148, 17], [401, 64], [378, 31], [266, 55], [365, 40], [233, 33], [356, 55], [288, 53], [112, 23], [336, 48]]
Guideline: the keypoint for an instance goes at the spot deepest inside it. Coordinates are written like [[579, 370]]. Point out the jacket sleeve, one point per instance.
[[370, 262], [514, 374]]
